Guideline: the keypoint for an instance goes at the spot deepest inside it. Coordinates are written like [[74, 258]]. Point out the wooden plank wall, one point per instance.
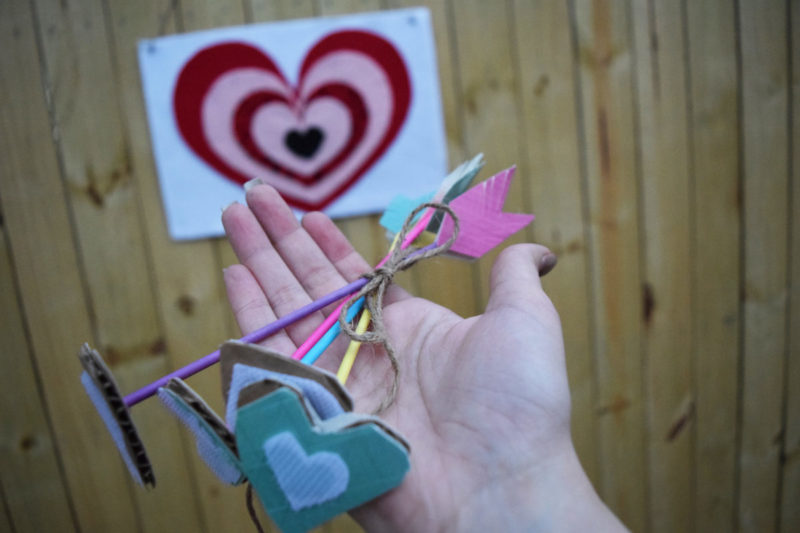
[[655, 141]]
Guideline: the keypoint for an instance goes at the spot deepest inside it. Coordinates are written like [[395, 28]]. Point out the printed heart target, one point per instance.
[[236, 111]]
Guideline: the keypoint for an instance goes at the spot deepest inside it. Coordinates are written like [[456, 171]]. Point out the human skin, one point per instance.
[[484, 401]]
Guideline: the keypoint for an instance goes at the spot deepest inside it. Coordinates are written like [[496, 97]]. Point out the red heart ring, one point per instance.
[[237, 112]]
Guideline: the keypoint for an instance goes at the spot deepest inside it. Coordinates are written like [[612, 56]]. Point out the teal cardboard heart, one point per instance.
[[307, 471]]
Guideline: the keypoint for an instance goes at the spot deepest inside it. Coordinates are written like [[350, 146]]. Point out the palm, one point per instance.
[[469, 388]]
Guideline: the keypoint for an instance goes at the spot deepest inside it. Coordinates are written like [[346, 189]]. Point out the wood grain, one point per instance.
[[552, 169], [104, 203], [606, 97], [716, 250], [662, 109], [272, 10], [5, 519], [490, 105], [186, 275], [790, 453], [50, 283], [765, 156], [30, 473]]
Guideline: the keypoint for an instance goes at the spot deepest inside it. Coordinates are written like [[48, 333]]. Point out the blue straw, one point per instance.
[[322, 344]]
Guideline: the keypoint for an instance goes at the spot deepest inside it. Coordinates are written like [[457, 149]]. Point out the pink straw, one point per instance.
[[333, 317]]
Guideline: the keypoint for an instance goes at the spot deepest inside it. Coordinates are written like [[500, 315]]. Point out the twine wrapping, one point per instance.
[[379, 280]]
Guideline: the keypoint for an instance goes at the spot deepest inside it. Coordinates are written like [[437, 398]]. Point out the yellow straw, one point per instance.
[[352, 349]]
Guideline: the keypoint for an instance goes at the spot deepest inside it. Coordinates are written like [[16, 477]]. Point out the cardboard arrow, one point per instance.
[[453, 185], [482, 222]]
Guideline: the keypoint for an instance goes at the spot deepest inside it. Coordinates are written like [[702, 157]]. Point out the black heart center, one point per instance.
[[304, 143]]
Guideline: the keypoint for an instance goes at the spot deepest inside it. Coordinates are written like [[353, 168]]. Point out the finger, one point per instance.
[[340, 252], [311, 266], [251, 308], [515, 279], [277, 282], [347, 261]]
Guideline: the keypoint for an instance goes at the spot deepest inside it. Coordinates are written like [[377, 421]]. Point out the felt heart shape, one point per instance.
[[237, 112], [216, 445], [296, 497], [255, 363], [243, 376], [304, 144], [306, 480]]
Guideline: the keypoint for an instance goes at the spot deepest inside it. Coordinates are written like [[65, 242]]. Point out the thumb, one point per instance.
[[515, 279]]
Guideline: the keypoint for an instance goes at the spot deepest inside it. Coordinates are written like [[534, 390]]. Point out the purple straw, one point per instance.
[[256, 336]]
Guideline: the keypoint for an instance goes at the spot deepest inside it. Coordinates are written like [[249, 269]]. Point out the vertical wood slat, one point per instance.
[[552, 170], [50, 285], [5, 519], [608, 129], [665, 217], [186, 275], [206, 14], [763, 47], [446, 62], [790, 454], [490, 105], [30, 477], [716, 270], [272, 10], [342, 7], [112, 245]]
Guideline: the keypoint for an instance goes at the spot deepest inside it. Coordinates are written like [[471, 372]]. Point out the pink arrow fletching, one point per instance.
[[482, 221]]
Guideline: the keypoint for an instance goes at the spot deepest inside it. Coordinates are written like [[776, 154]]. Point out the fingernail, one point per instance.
[[252, 183], [230, 204], [548, 263]]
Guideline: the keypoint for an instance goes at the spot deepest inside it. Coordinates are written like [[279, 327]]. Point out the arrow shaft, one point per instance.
[[267, 331]]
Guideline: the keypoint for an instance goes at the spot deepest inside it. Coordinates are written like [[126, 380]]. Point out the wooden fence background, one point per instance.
[[655, 144]]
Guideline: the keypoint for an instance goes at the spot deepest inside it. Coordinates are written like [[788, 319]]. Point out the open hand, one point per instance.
[[483, 401]]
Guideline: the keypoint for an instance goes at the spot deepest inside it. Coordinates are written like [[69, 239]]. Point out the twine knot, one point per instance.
[[379, 280]]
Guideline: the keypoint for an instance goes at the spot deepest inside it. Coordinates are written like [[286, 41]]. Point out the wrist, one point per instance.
[[553, 495]]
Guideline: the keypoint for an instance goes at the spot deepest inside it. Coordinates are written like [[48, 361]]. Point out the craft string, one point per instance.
[[332, 318], [363, 323], [251, 508], [379, 280]]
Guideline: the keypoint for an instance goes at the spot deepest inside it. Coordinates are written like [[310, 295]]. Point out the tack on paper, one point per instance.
[[339, 114]]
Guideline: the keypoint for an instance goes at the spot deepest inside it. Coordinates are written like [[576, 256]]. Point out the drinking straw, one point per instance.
[[333, 317]]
